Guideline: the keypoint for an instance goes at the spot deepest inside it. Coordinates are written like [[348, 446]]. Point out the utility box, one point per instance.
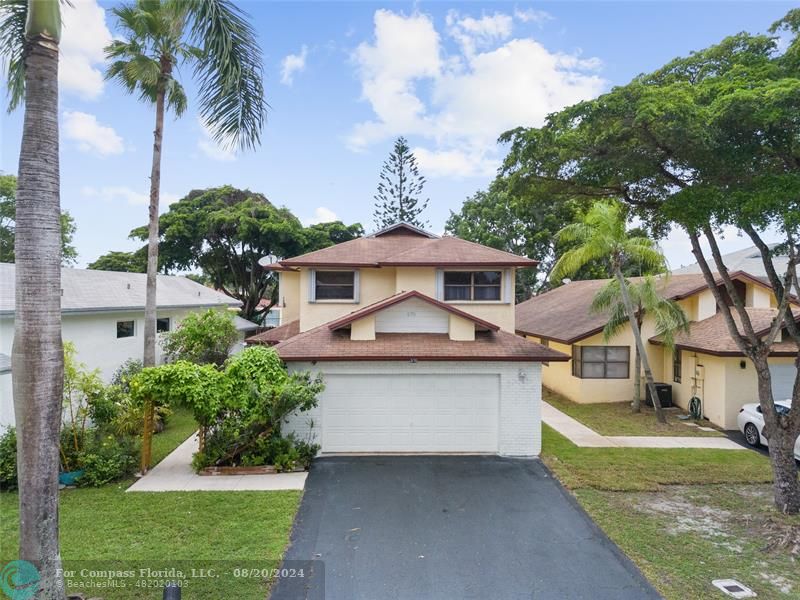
[[664, 391]]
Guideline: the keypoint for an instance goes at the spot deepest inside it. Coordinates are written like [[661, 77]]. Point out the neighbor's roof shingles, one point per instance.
[[86, 290], [276, 334], [564, 315], [711, 336]]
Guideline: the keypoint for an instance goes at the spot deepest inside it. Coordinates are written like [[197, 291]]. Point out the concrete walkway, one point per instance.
[[175, 474], [581, 435]]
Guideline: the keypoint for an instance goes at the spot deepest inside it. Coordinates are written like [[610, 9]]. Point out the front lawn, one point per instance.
[[616, 418], [104, 528], [685, 516]]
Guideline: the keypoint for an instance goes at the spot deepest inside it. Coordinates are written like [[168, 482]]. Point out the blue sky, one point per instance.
[[343, 80]]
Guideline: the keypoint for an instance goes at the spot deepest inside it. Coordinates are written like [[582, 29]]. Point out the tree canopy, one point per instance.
[[130, 262], [224, 232], [8, 211]]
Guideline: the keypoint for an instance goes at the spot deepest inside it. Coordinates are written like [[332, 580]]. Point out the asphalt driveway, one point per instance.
[[448, 527]]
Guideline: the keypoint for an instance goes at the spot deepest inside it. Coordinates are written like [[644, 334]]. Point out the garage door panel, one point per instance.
[[783, 377], [410, 413]]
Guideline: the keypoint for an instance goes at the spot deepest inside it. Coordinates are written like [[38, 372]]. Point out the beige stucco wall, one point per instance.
[[375, 285], [363, 329], [461, 329], [289, 296]]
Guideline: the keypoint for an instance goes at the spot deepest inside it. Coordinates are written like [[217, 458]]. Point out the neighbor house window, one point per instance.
[[162, 324], [472, 286], [334, 285], [601, 362], [126, 329], [677, 366]]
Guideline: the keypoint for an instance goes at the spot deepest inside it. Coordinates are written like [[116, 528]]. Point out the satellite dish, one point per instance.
[[269, 259]]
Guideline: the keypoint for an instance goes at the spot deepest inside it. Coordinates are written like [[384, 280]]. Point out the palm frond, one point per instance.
[[230, 75], [13, 14]]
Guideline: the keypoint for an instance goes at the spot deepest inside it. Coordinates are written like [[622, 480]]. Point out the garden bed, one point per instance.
[[259, 470]]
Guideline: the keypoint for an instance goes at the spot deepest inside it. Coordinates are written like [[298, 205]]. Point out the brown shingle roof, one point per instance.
[[564, 314], [277, 334], [324, 344], [408, 250], [711, 336], [402, 297]]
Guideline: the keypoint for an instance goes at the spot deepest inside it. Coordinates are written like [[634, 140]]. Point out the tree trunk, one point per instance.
[[785, 486], [637, 335], [149, 356], [37, 354], [636, 405]]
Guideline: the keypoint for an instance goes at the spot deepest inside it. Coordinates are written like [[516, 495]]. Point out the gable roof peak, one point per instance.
[[403, 228]]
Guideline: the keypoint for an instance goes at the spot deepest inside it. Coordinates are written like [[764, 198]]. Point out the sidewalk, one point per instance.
[[175, 474], [580, 435]]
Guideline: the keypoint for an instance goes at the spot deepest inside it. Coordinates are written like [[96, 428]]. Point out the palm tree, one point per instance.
[[30, 31], [215, 39], [601, 235], [668, 316]]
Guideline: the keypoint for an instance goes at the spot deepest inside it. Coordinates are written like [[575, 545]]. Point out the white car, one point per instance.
[[751, 424]]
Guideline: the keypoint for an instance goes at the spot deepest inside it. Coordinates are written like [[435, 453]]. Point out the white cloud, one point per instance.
[[118, 193], [91, 135], [293, 63], [321, 215], [461, 102], [211, 148], [85, 35], [531, 15]]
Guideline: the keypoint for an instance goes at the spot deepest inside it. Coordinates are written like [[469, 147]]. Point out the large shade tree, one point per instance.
[[709, 141], [29, 39], [212, 38], [225, 231]]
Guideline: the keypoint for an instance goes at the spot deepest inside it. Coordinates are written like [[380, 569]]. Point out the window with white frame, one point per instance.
[[601, 362], [334, 285], [472, 286], [162, 324]]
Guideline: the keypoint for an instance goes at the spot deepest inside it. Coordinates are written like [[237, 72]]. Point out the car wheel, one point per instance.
[[751, 435]]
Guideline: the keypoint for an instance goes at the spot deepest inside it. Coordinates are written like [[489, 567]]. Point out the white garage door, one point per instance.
[[410, 413], [782, 381]]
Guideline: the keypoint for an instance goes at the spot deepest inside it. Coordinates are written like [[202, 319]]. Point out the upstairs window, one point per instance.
[[334, 285], [677, 365], [601, 362], [472, 286]]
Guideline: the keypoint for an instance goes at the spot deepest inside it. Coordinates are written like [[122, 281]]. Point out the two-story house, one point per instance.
[[414, 335], [705, 363]]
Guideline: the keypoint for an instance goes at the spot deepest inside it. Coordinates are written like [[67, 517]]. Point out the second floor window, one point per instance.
[[162, 324], [472, 286], [126, 329], [334, 285]]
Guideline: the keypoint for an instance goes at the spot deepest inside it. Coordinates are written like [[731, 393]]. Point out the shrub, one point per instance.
[[107, 459], [8, 459], [125, 372], [202, 337]]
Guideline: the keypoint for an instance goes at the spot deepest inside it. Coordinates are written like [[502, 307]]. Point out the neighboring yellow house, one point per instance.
[[706, 362], [414, 335]]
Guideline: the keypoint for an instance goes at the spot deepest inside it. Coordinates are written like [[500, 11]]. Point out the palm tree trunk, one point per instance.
[[636, 404], [151, 306], [637, 336], [149, 357], [37, 354]]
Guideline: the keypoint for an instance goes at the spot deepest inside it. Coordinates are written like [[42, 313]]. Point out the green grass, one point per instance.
[[685, 516], [616, 418], [105, 527], [629, 469]]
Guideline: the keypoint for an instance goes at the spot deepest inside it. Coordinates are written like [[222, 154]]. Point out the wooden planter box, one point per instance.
[[262, 470]]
